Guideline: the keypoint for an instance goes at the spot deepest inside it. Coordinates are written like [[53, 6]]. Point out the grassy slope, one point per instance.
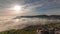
[[28, 30]]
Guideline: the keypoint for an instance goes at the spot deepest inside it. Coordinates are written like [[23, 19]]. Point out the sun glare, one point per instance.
[[17, 8]]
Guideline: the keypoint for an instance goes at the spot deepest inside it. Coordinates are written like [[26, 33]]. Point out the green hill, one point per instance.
[[28, 30]]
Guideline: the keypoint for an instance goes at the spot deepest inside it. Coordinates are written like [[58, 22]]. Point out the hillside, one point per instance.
[[39, 16], [30, 29]]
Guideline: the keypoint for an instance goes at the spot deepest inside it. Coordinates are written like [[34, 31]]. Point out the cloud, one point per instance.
[[7, 23], [30, 8], [29, 5], [46, 3]]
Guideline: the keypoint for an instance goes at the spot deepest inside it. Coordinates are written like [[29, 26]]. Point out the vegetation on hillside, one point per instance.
[[28, 30]]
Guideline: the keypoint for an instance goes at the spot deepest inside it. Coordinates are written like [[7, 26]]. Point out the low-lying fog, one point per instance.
[[8, 24]]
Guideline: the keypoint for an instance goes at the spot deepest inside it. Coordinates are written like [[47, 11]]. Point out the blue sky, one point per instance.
[[32, 7]]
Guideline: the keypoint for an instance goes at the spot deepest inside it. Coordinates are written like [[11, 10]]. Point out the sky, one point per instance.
[[30, 7]]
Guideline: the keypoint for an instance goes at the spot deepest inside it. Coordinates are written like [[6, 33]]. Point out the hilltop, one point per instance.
[[39, 16]]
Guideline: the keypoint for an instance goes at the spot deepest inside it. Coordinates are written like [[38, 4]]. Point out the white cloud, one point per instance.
[[10, 23]]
